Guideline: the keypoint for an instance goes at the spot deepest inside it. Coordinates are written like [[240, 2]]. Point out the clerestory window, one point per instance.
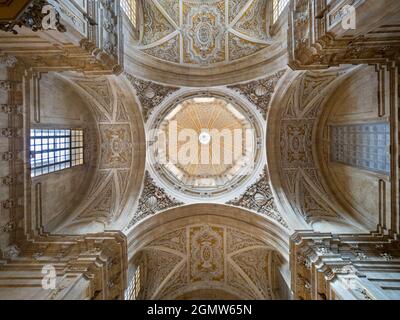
[[54, 150], [365, 146]]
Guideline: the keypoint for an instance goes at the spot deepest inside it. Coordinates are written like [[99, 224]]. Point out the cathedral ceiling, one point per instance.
[[216, 140], [294, 134], [207, 256], [121, 179], [253, 191], [294, 125], [122, 166], [203, 33], [119, 131], [159, 195]]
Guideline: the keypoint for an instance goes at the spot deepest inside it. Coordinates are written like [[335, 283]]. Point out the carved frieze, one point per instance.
[[8, 227], [116, 146], [260, 92], [100, 90], [204, 34], [150, 94], [207, 253], [73, 257], [8, 204], [259, 198], [5, 85], [153, 200], [253, 262], [89, 46], [33, 18], [11, 252], [8, 156], [10, 108], [8, 60], [103, 204], [9, 133], [159, 265], [298, 162]]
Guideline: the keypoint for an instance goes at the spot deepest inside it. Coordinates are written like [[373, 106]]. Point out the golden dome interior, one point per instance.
[[217, 159]]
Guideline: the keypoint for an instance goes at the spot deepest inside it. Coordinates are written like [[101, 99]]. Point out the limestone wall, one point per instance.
[[60, 107], [356, 101]]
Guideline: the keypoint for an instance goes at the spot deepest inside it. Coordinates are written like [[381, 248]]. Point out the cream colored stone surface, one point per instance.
[[355, 101], [298, 225], [60, 106]]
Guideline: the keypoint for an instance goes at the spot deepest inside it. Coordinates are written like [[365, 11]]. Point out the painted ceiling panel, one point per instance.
[[156, 24], [203, 33]]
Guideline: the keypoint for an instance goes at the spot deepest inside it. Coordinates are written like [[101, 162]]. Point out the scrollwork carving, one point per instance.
[[153, 200], [149, 93], [260, 199]]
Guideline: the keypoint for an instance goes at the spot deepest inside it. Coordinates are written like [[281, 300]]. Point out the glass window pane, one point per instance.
[[51, 150]]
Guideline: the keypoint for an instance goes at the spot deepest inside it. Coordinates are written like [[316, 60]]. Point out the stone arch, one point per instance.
[[245, 253], [292, 156], [119, 169], [364, 193]]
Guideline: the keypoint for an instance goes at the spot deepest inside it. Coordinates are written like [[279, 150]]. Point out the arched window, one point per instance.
[[55, 149], [130, 9], [277, 9]]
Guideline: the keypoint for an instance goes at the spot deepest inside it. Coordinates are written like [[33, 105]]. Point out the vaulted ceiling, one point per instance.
[[203, 33], [205, 256]]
